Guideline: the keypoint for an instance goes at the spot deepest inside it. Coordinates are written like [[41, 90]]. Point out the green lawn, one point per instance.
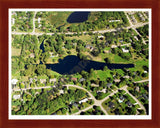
[[130, 99], [101, 74], [58, 18], [85, 38], [16, 51]]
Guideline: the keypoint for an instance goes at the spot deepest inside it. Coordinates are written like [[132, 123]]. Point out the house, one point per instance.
[[114, 20], [52, 80], [39, 19], [16, 97], [137, 88], [61, 91], [14, 81], [43, 81], [82, 79], [106, 51], [39, 25], [88, 46], [133, 19], [109, 85], [51, 55], [62, 79], [75, 104], [30, 80], [107, 43], [145, 71], [141, 17], [103, 90], [130, 40], [84, 100], [94, 85], [135, 37], [145, 96], [117, 80], [111, 105], [147, 13], [74, 79], [126, 77], [113, 46], [120, 41], [13, 21], [121, 99], [117, 112], [101, 37], [125, 50], [129, 104], [32, 55]]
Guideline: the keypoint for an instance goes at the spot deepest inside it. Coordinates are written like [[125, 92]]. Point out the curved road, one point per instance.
[[96, 102], [141, 106]]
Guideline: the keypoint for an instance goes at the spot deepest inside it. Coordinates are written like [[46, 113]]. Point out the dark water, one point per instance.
[[72, 64], [78, 17], [42, 46]]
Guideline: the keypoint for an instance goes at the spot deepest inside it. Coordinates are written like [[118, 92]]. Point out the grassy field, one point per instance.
[[85, 38], [16, 51], [101, 74], [58, 18]]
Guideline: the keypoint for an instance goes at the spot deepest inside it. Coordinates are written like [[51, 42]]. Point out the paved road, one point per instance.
[[141, 106], [34, 22], [128, 19], [70, 33], [131, 25], [86, 109], [141, 81], [96, 102], [139, 35]]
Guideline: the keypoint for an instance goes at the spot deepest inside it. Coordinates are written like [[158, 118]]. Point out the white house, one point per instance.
[[114, 20], [61, 91], [52, 80], [145, 71], [13, 21], [43, 80], [84, 100], [103, 90], [125, 50], [100, 36], [14, 81], [16, 97], [39, 19]]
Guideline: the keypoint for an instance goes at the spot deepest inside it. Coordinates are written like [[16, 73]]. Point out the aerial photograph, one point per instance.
[[79, 62]]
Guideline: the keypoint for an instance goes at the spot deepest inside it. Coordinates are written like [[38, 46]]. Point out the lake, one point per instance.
[[78, 17], [72, 64]]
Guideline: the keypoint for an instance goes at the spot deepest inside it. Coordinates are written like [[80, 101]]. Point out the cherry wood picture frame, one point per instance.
[[4, 63]]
